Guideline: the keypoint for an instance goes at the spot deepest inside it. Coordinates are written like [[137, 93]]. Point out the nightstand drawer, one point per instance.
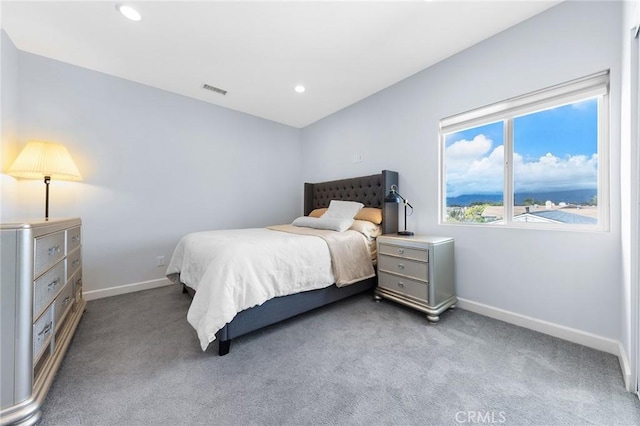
[[48, 251], [406, 252], [410, 268], [403, 285]]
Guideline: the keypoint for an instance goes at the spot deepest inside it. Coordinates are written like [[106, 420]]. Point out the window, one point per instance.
[[539, 160]]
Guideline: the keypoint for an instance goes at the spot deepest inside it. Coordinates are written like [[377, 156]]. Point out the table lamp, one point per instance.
[[45, 160], [395, 197]]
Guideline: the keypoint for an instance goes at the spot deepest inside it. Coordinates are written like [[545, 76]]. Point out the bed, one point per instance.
[[368, 190]]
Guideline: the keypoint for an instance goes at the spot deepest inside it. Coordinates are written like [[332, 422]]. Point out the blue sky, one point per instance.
[[568, 130], [554, 149]]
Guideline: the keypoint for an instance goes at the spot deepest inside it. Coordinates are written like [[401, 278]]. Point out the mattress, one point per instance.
[[233, 270]]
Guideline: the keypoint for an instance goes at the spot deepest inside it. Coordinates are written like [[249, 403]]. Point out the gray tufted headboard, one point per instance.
[[369, 190]]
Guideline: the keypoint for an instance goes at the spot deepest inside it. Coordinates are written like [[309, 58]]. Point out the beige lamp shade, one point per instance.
[[40, 159]]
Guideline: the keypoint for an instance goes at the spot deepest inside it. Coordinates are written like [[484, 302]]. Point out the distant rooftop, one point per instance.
[[557, 216], [587, 214]]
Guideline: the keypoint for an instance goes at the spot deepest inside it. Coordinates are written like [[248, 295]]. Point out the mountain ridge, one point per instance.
[[574, 196]]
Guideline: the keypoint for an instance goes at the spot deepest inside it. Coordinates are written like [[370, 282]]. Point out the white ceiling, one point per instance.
[[258, 51]]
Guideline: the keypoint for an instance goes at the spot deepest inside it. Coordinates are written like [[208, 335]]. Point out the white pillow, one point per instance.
[[343, 209], [330, 223], [366, 228]]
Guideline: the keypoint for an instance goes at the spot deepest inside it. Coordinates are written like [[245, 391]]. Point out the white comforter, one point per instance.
[[233, 270]]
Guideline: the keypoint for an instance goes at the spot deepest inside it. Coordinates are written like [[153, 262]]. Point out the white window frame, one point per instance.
[[595, 85]]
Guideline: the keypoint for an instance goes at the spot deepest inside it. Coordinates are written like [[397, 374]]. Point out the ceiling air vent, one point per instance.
[[214, 89]]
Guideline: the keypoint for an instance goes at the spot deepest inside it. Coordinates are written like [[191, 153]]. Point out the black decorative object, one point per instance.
[[395, 197]]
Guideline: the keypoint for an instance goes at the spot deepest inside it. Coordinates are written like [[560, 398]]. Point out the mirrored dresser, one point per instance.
[[41, 306]]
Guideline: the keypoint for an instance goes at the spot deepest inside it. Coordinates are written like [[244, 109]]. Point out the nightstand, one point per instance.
[[417, 271]]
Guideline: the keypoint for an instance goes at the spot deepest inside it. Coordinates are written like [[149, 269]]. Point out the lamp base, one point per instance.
[[407, 233]]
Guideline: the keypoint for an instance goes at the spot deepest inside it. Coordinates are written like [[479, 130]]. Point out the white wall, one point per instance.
[[630, 182], [155, 165], [571, 279], [8, 124]]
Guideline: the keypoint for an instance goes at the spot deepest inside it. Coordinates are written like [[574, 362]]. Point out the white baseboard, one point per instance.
[[124, 289], [560, 331]]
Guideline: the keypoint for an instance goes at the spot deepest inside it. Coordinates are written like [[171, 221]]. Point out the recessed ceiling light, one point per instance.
[[128, 12], [300, 88]]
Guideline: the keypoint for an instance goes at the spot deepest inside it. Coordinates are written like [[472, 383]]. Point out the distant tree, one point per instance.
[[486, 203], [531, 201], [470, 214], [453, 213], [474, 213]]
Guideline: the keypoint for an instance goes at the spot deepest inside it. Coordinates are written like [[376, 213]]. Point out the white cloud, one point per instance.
[[469, 168], [479, 146], [474, 167], [550, 173]]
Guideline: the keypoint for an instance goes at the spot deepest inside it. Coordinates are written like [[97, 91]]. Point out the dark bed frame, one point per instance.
[[369, 190]]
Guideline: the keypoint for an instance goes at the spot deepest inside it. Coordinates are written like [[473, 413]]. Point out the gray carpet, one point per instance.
[[136, 361]]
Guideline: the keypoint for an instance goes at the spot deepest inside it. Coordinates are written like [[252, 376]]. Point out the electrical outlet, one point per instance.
[[160, 261], [357, 158]]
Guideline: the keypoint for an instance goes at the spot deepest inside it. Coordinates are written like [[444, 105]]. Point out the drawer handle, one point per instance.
[[52, 285], [75, 262], [400, 284], [400, 266], [45, 330], [54, 250], [400, 251], [66, 301], [75, 238]]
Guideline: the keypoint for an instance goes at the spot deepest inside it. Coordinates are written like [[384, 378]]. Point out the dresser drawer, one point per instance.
[[398, 265], [73, 262], [406, 252], [63, 303], [47, 286], [406, 286], [74, 238], [42, 332], [49, 249], [77, 288]]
